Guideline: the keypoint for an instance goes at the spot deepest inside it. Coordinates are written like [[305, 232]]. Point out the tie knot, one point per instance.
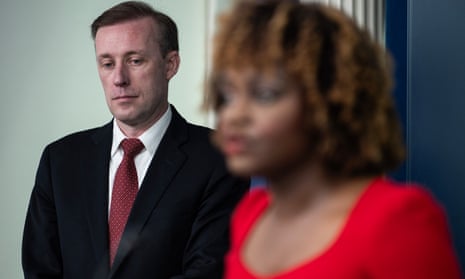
[[132, 147]]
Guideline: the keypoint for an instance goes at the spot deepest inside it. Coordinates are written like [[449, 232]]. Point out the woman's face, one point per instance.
[[260, 123]]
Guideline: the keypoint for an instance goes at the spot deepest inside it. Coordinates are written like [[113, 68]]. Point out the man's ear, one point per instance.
[[172, 61]]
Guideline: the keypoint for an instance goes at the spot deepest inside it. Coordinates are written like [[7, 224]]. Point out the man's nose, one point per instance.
[[121, 76]]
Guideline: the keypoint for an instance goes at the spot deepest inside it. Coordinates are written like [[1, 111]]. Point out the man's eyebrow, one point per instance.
[[104, 55], [138, 52], [129, 53]]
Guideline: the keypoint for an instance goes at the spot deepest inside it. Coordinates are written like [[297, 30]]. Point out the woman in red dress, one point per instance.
[[302, 98]]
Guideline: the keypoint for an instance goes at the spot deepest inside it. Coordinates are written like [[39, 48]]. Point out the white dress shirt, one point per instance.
[[150, 138]]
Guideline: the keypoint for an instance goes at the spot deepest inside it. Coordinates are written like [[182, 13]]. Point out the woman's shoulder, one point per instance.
[[247, 211], [403, 211], [404, 222], [252, 203], [402, 199]]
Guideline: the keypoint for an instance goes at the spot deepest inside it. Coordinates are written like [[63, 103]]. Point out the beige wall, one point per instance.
[[49, 88]]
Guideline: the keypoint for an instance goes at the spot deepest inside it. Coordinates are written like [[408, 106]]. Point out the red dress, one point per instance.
[[393, 232]]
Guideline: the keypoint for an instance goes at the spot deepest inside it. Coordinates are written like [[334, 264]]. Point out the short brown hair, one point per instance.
[[132, 10], [344, 76]]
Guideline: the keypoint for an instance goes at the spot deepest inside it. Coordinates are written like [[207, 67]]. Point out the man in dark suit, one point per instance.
[[177, 225]]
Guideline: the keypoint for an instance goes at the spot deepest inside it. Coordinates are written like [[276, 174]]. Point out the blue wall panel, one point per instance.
[[431, 99]]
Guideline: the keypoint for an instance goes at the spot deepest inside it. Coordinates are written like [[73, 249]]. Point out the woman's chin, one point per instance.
[[241, 169]]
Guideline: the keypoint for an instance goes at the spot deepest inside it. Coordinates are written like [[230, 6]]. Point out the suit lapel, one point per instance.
[[163, 168], [96, 197]]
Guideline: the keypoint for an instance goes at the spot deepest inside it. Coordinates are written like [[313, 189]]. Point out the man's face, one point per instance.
[[133, 72]]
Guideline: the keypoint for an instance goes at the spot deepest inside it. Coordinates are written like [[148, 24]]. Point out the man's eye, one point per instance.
[[106, 65], [135, 62]]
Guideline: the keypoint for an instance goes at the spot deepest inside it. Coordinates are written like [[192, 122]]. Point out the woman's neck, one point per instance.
[[309, 189]]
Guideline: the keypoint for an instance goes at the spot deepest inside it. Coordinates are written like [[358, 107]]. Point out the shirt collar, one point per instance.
[[150, 138]]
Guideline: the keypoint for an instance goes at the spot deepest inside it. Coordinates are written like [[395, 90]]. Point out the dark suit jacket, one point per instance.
[[178, 226]]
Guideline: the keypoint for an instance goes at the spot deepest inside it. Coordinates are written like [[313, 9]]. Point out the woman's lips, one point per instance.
[[234, 145]]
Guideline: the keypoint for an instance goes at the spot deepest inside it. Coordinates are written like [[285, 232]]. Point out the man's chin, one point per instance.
[[126, 120]]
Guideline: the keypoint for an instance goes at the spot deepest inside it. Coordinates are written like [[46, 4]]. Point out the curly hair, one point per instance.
[[344, 77]]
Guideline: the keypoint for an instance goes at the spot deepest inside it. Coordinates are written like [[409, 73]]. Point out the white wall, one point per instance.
[[49, 88]]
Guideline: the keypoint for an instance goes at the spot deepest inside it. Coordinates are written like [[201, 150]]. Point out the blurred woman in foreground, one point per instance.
[[302, 98]]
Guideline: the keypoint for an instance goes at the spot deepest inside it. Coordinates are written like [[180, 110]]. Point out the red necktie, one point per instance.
[[124, 193]]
